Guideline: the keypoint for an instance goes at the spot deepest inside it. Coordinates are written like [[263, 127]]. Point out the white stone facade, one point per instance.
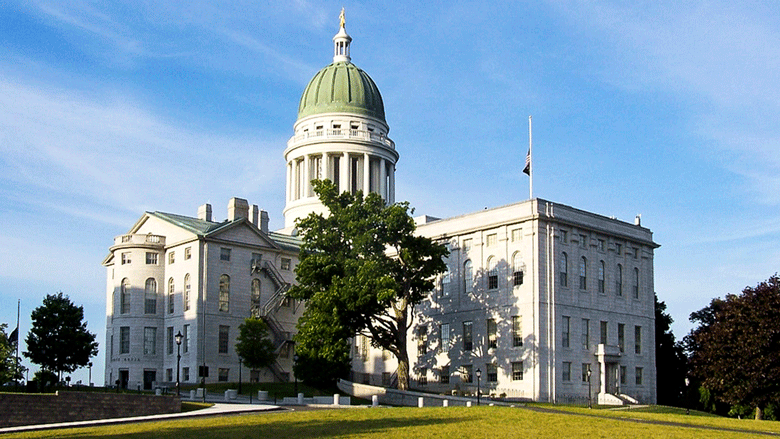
[[535, 327], [172, 274]]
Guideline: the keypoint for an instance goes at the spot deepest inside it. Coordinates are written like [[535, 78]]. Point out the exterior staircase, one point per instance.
[[267, 313]]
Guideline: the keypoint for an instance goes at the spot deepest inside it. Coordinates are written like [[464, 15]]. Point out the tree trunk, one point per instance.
[[403, 371], [759, 413]]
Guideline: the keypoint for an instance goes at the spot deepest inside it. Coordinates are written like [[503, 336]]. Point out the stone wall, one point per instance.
[[30, 409]]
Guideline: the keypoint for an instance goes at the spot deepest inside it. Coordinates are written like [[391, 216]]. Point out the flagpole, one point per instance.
[[16, 359], [531, 167]]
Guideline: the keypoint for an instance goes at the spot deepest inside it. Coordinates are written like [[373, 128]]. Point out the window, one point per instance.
[[492, 273], [603, 338], [124, 340], [150, 341], [285, 264], [151, 258], [185, 372], [517, 371], [169, 374], [566, 371], [565, 331], [638, 375], [492, 338], [517, 269], [363, 346], [619, 280], [564, 270], [583, 273], [224, 333], [150, 296], [445, 282], [187, 253], [601, 245], [517, 331], [422, 340], [564, 236], [622, 337], [224, 254], [622, 374], [585, 333], [583, 241], [636, 253], [422, 377], [444, 375], [517, 235], [185, 343], [468, 336], [224, 293], [171, 257], [224, 373], [468, 276], [467, 244], [636, 283], [124, 306], [444, 346], [638, 340], [618, 248], [171, 289], [585, 369], [187, 289], [169, 341], [125, 258], [491, 372], [255, 298], [465, 373], [491, 240], [601, 277]]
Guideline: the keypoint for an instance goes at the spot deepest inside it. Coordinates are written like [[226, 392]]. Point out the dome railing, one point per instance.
[[342, 134]]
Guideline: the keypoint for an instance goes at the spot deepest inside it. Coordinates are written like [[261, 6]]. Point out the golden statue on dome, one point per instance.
[[342, 20]]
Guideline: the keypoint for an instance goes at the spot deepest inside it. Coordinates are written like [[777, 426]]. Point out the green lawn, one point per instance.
[[405, 423]]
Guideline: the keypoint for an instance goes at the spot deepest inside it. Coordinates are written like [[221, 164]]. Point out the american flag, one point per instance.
[[527, 169]]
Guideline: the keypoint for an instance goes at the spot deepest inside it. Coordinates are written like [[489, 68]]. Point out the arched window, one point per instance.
[[564, 270], [619, 280], [583, 273], [517, 269], [224, 293], [124, 306], [445, 282], [636, 283], [468, 276], [255, 305], [171, 289], [187, 289], [601, 277], [492, 273], [150, 295]]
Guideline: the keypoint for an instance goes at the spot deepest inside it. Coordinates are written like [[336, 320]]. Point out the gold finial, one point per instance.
[[342, 20]]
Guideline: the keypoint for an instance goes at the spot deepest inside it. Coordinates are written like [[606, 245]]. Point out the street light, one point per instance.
[[479, 375], [90, 373], [590, 404], [240, 362], [687, 405], [178, 338], [295, 365]]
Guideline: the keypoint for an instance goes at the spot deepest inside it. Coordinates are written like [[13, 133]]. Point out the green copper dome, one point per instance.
[[342, 87]]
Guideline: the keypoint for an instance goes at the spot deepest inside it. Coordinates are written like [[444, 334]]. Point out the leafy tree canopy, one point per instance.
[[253, 344], [58, 340], [7, 356], [670, 359], [363, 267], [735, 350]]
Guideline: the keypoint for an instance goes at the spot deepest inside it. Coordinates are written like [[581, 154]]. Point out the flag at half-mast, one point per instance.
[[527, 169], [14, 337]]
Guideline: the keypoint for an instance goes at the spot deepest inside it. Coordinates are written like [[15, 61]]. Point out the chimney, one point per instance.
[[204, 212], [638, 220], [237, 208], [254, 211], [264, 221]]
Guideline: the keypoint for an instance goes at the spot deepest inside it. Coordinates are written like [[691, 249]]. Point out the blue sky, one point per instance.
[[668, 109]]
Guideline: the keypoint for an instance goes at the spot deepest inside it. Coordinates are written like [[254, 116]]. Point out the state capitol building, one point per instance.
[[542, 298]]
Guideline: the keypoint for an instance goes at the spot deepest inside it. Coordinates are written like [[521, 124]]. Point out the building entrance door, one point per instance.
[[612, 378], [124, 377], [150, 376]]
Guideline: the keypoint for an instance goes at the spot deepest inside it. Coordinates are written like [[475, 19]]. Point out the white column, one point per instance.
[[383, 179], [346, 179], [391, 195], [289, 181], [366, 174], [306, 176], [325, 160]]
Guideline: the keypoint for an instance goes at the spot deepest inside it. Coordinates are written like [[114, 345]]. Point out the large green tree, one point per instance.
[[670, 359], [735, 349], [7, 356], [253, 344], [362, 270], [59, 340]]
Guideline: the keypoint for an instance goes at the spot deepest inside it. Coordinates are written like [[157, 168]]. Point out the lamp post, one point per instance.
[[178, 338], [240, 362], [590, 404], [89, 365], [687, 406], [479, 375], [295, 364]]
